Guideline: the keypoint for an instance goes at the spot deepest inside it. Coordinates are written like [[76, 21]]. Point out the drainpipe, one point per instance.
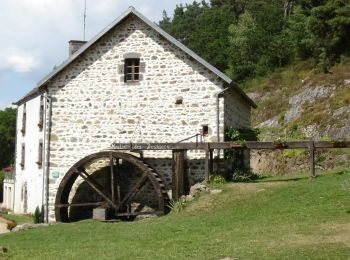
[[46, 175], [218, 117]]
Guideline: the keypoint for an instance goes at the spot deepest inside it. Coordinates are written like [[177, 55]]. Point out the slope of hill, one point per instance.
[[301, 102], [275, 218]]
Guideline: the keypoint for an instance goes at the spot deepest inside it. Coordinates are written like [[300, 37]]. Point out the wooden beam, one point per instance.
[[93, 185], [178, 185], [206, 163], [112, 176], [85, 204], [133, 191]]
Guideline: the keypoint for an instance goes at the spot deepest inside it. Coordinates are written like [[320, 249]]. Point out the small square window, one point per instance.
[[179, 101], [132, 70], [205, 130]]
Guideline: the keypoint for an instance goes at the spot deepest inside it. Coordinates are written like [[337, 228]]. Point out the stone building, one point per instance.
[[133, 82]]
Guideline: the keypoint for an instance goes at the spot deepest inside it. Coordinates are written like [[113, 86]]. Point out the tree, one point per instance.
[[330, 25], [7, 136]]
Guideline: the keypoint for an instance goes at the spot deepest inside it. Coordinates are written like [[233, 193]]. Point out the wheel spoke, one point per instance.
[[85, 204], [133, 191], [94, 185], [112, 176]]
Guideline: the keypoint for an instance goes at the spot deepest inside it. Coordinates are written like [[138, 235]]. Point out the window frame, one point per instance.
[[23, 156], [134, 65], [24, 119]]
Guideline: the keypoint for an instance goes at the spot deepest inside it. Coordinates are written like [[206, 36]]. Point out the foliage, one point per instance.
[[38, 215], [216, 179], [2, 176], [242, 134], [251, 38], [7, 136], [280, 142], [177, 206], [243, 175]]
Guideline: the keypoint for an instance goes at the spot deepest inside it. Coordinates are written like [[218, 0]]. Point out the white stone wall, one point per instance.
[[31, 175], [92, 107]]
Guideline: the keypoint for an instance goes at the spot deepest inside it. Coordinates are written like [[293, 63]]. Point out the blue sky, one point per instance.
[[35, 33]]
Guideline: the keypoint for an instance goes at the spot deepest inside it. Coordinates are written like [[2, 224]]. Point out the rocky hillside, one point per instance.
[[301, 102]]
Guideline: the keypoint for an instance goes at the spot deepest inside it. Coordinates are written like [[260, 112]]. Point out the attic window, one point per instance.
[[205, 130], [132, 70]]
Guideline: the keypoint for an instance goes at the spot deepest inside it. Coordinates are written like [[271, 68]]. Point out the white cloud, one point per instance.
[[17, 60]]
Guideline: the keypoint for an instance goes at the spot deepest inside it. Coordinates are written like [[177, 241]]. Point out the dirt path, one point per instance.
[[3, 226]]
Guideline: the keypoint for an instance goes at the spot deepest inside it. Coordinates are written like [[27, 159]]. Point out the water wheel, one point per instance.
[[119, 182]]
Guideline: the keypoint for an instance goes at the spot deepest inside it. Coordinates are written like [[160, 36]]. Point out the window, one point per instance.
[[23, 156], [132, 70], [40, 154], [24, 119], [179, 101], [205, 130], [41, 113]]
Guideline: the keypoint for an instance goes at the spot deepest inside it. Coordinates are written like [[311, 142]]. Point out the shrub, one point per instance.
[[39, 215], [216, 179], [240, 175], [177, 206]]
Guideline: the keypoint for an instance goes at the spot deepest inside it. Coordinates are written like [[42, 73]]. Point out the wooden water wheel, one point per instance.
[[119, 182]]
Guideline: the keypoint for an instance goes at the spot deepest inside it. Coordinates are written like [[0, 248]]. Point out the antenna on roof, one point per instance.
[[84, 20]]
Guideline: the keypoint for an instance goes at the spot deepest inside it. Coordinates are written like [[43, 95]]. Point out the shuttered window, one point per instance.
[[40, 154], [41, 113], [23, 156], [24, 119]]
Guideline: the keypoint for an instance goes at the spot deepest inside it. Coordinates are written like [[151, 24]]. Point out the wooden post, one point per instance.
[[178, 174], [206, 162], [211, 162], [312, 158]]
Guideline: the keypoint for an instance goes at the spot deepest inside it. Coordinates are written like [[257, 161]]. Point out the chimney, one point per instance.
[[75, 45]]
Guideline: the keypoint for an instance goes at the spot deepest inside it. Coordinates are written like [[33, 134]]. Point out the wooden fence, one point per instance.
[[179, 150]]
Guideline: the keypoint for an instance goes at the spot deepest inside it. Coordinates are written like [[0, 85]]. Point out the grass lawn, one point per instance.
[[274, 218], [20, 219]]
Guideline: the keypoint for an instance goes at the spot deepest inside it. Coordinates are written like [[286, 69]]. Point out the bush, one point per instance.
[[216, 179], [39, 215]]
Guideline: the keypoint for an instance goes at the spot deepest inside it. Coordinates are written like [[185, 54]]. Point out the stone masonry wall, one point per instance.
[[93, 107]]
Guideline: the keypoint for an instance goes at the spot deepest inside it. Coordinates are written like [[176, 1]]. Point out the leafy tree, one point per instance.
[[7, 136], [330, 26]]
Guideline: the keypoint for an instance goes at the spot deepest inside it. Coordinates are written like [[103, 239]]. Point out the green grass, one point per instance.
[[291, 217], [19, 219]]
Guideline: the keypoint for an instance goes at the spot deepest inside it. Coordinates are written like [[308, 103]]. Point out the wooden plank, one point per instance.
[[178, 174], [222, 145], [312, 158]]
